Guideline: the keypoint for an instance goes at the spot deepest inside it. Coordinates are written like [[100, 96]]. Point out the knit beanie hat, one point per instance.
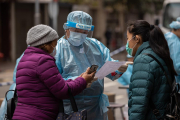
[[40, 34]]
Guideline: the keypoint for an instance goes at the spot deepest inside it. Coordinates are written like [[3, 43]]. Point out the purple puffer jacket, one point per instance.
[[40, 86]]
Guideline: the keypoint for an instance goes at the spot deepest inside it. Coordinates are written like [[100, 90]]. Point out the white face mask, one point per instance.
[[76, 39], [54, 51]]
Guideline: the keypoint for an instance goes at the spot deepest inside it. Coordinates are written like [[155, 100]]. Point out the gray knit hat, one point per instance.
[[40, 34]]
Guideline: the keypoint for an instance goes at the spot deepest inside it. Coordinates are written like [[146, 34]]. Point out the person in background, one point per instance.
[[1, 57], [148, 84], [173, 40], [76, 51], [108, 34], [39, 84]]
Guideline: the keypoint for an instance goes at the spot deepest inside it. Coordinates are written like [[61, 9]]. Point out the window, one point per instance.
[[172, 11]]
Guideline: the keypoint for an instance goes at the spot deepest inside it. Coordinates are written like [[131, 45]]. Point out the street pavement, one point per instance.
[[121, 97]]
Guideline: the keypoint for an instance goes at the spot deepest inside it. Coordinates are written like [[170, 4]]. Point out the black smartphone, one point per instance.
[[93, 68]]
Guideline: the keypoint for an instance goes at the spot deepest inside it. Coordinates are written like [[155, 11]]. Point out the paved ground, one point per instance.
[[6, 74]]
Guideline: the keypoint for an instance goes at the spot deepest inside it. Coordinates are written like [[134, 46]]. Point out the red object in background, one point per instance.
[[1, 55], [55, 0], [113, 43]]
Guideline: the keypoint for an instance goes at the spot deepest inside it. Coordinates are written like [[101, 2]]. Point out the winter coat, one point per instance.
[[148, 85], [40, 86]]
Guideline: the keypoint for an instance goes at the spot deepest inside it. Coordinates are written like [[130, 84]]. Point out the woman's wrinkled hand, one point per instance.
[[88, 77]]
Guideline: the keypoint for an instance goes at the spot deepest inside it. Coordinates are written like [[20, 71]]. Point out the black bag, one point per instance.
[[76, 115], [11, 105], [172, 111]]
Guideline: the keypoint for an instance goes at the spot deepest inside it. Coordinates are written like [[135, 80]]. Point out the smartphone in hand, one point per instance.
[[93, 68]]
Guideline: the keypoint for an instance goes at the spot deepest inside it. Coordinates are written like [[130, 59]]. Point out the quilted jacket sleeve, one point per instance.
[[50, 76], [140, 89]]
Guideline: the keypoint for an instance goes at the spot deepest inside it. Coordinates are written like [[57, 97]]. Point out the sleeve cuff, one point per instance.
[[120, 73], [83, 81]]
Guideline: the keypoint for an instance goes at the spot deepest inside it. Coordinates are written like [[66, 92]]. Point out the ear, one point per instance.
[[67, 33], [138, 39]]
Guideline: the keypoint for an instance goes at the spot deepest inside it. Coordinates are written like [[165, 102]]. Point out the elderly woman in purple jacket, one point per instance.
[[40, 86]]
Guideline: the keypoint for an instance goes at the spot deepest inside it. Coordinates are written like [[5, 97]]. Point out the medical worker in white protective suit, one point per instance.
[[75, 52], [3, 107], [173, 40]]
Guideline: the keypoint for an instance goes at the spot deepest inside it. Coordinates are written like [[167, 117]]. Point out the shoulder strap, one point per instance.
[[72, 100], [156, 111], [169, 81], [11, 104], [61, 109], [15, 97]]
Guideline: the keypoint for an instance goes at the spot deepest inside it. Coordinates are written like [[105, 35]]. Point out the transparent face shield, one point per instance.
[[89, 33], [80, 28]]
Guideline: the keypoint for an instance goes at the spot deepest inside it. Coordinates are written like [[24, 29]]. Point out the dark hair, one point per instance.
[[42, 47], [174, 29], [156, 39]]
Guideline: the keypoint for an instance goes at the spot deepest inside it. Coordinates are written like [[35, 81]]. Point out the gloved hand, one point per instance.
[[89, 84], [123, 68], [129, 62]]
